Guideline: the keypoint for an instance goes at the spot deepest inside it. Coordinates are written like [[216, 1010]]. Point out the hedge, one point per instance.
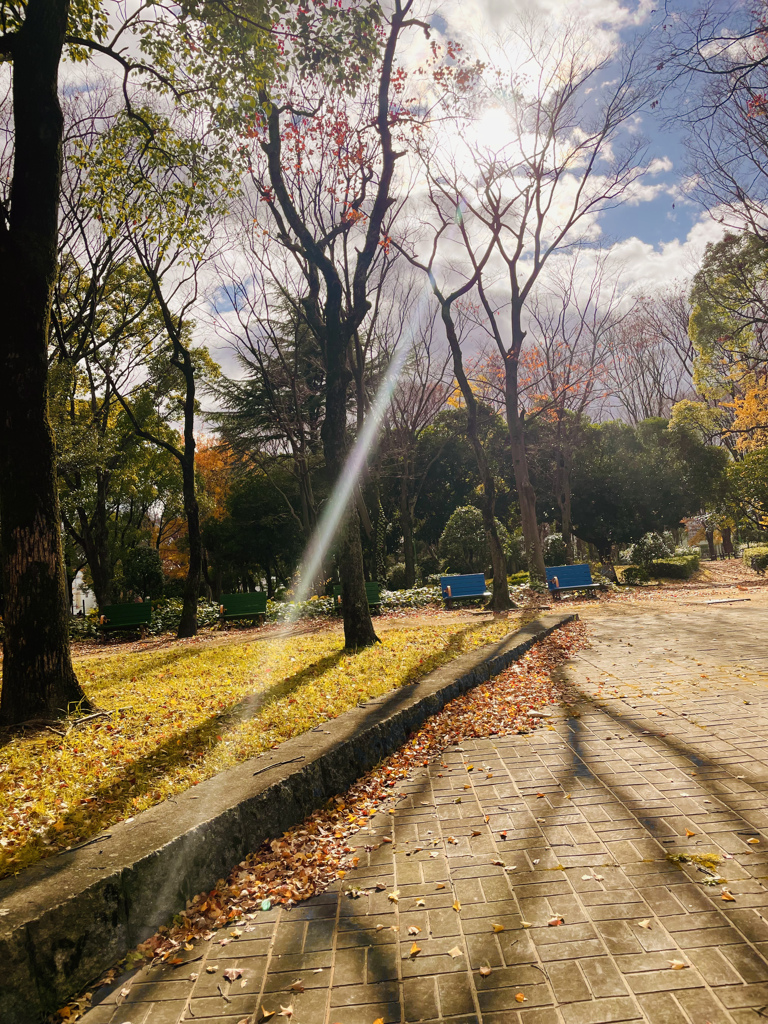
[[756, 558], [677, 567]]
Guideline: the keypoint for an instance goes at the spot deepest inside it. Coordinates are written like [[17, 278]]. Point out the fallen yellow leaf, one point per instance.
[[498, 927]]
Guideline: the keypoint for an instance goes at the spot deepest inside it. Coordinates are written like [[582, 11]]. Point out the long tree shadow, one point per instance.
[[115, 799], [580, 768]]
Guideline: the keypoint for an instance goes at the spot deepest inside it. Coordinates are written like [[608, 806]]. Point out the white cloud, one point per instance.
[[645, 266]]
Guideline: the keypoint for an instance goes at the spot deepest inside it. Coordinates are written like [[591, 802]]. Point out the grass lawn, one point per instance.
[[181, 715]]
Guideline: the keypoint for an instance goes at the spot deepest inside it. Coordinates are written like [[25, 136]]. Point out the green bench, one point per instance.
[[372, 592], [243, 606], [125, 616]]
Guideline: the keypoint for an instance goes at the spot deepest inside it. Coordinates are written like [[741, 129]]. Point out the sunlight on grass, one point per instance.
[[181, 716]]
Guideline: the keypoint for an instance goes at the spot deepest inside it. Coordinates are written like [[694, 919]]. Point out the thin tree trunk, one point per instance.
[[525, 493], [563, 491], [500, 600], [710, 535], [406, 520], [358, 625], [38, 678], [188, 622]]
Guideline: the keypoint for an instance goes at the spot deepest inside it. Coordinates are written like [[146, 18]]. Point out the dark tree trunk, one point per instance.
[[358, 625], [500, 600], [563, 491], [727, 541], [525, 492], [38, 678], [406, 519], [710, 535], [188, 622], [93, 537]]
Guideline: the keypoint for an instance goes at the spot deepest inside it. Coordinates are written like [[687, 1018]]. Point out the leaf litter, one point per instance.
[[311, 856]]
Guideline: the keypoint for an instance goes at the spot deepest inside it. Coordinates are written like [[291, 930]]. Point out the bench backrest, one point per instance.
[[569, 575], [372, 592], [254, 603], [127, 614], [471, 585]]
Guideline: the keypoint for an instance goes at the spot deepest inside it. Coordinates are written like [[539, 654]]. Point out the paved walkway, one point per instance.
[[664, 751]]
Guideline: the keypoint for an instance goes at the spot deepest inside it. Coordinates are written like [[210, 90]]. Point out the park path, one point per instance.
[[661, 750]]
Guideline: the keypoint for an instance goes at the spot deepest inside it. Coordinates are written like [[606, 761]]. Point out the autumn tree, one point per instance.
[[556, 156], [572, 322], [325, 174], [190, 50], [420, 395]]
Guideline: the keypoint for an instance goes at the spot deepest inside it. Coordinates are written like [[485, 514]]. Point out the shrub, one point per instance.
[[518, 579], [678, 567], [635, 574], [396, 577], [555, 551], [756, 558], [648, 549], [463, 545], [166, 615]]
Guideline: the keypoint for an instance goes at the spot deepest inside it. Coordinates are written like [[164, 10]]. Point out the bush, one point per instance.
[[635, 574], [396, 577], [166, 615], [679, 567], [463, 545], [756, 558], [518, 579], [555, 551], [648, 549]]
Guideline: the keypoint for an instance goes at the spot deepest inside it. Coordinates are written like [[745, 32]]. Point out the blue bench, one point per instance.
[[569, 577], [455, 587]]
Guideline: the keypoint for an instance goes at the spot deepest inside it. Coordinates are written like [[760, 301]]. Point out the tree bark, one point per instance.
[[38, 678], [525, 492], [188, 621], [500, 600], [710, 535], [563, 491], [358, 625], [406, 520]]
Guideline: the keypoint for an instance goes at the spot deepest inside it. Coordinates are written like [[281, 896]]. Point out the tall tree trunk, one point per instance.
[[188, 622], [563, 491], [525, 492], [406, 520], [710, 535], [38, 678], [500, 600]]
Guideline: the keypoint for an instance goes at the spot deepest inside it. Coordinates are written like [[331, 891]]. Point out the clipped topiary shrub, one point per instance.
[[679, 567], [635, 574], [756, 558], [463, 546]]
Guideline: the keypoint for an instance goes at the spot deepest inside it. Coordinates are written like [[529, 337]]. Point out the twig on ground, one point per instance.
[[278, 764]]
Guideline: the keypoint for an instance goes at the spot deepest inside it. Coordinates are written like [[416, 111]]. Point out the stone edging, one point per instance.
[[69, 918]]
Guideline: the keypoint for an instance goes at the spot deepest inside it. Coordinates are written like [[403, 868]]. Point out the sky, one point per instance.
[[657, 239], [660, 236]]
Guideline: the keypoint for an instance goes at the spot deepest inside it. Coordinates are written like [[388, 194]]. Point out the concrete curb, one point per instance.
[[69, 918]]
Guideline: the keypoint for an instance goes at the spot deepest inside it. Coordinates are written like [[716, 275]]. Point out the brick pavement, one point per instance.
[[664, 751]]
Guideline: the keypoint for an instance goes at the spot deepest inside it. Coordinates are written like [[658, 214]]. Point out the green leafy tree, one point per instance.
[[204, 52], [464, 543], [629, 481], [143, 572]]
